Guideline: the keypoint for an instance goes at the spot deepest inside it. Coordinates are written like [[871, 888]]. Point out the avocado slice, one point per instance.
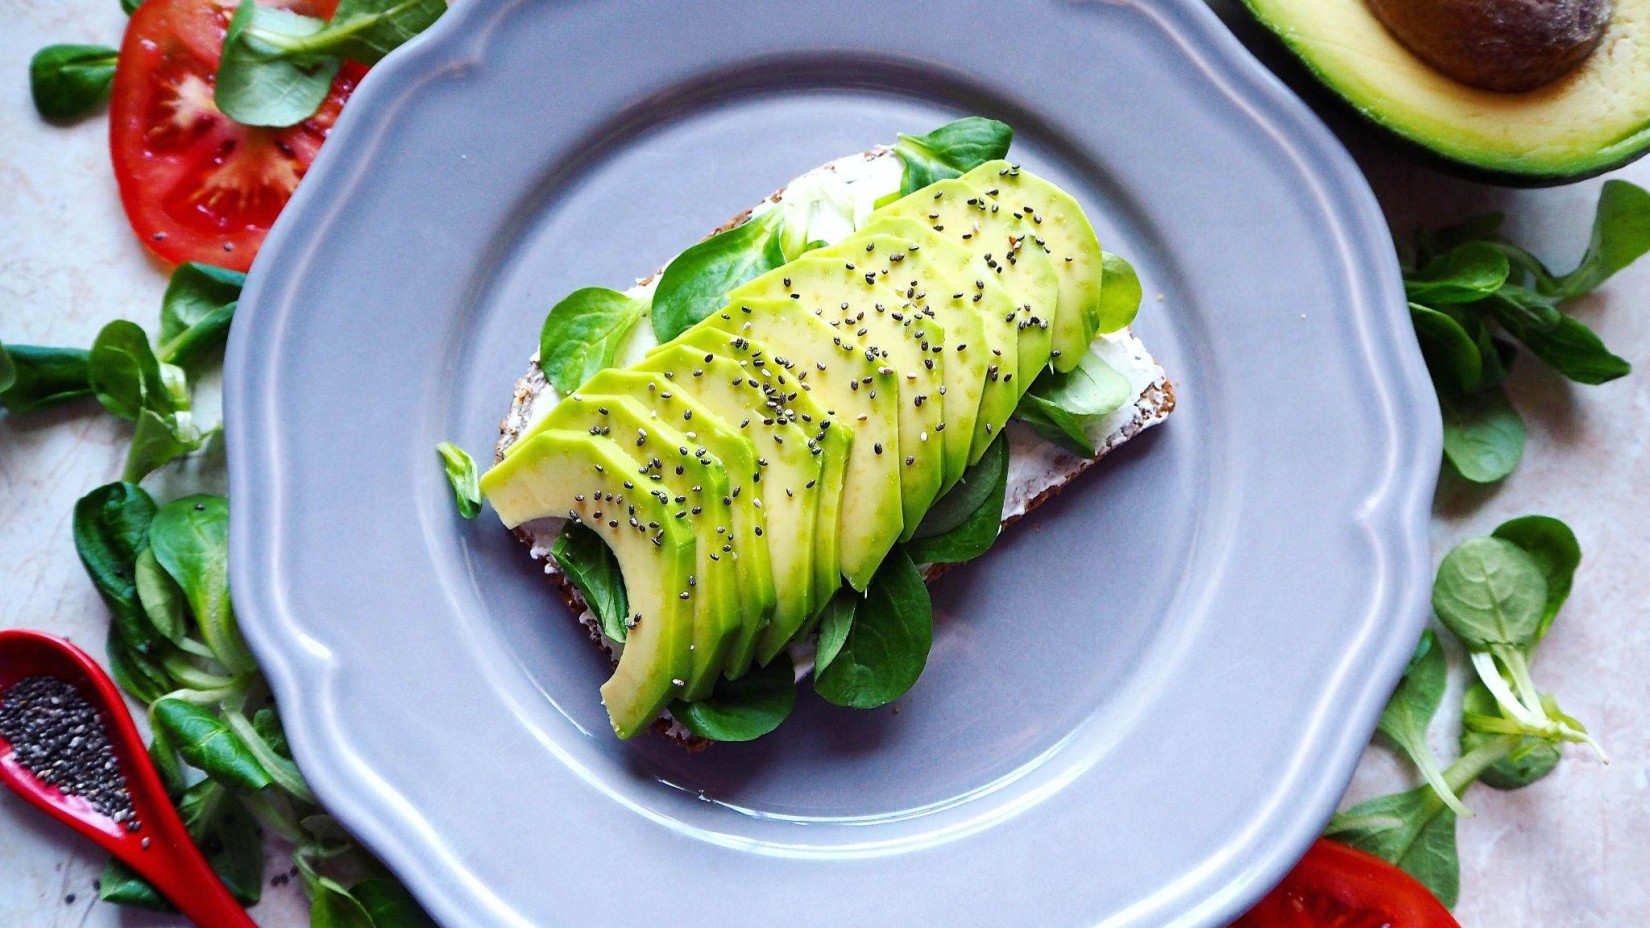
[[790, 486], [976, 221], [1592, 119], [748, 528], [784, 401], [963, 374], [957, 285], [1060, 228], [858, 301], [833, 367], [694, 489], [576, 475]]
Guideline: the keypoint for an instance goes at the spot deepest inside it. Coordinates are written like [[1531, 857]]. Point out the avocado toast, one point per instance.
[[900, 354]]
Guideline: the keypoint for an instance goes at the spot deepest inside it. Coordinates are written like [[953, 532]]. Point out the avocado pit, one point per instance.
[[1507, 46]]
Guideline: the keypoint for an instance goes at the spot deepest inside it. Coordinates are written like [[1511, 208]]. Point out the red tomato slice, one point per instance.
[[1335, 886], [198, 186]]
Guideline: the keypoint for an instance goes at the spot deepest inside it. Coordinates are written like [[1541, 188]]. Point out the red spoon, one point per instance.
[[159, 849]]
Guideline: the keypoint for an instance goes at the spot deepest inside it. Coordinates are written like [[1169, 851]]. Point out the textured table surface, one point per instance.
[[1573, 850]]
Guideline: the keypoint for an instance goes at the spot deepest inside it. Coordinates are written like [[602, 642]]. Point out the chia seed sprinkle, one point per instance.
[[57, 736]]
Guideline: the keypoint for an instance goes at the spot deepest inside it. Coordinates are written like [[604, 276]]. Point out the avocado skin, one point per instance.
[[1266, 41]]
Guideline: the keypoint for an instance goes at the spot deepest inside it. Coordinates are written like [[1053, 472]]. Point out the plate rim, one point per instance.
[[1394, 518]]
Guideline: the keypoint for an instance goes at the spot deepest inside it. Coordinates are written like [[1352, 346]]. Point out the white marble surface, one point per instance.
[[1573, 850]]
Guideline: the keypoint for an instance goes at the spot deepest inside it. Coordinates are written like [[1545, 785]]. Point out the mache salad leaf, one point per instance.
[[952, 150]]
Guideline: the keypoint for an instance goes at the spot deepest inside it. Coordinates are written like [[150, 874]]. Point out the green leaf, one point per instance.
[[697, 282], [8, 370], [1453, 356], [121, 885], [744, 709], [1410, 710], [1483, 434], [267, 723], [1490, 594], [965, 522], [887, 645], [1430, 243], [1520, 307], [1570, 348], [259, 82], [389, 905], [196, 311], [367, 30], [41, 377], [1465, 274], [1533, 759], [111, 527], [1120, 292], [951, 150], [191, 540], [208, 743], [1413, 830], [334, 907], [156, 441], [1062, 407], [130, 6], [1621, 233], [125, 374], [277, 66], [160, 597], [69, 81], [583, 333], [587, 561], [461, 473], [233, 846], [834, 622], [165, 758], [137, 673], [1556, 553]]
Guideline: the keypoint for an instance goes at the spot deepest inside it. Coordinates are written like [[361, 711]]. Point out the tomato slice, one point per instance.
[[1335, 886], [198, 186]]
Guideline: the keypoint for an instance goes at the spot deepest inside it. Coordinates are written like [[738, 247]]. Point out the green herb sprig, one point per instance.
[[1496, 596], [278, 66], [173, 641], [1475, 296]]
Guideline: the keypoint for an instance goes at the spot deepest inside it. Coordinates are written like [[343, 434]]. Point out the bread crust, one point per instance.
[[1151, 406]]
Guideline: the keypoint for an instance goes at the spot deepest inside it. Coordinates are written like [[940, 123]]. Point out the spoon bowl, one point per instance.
[[154, 843]]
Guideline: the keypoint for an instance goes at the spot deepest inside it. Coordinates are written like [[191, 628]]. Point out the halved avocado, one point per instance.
[[576, 475], [1590, 120]]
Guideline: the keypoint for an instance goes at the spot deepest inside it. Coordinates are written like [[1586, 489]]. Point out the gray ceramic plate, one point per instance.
[[1140, 706]]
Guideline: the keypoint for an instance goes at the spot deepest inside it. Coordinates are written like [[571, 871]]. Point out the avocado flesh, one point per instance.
[[783, 401], [1595, 118], [695, 497], [1060, 228], [833, 368], [753, 563], [963, 374], [789, 487], [856, 301], [566, 474], [957, 285], [966, 214]]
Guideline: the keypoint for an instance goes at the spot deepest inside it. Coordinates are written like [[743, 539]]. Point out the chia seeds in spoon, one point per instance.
[[59, 737]]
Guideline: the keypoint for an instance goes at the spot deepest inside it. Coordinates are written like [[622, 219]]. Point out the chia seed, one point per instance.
[[58, 736]]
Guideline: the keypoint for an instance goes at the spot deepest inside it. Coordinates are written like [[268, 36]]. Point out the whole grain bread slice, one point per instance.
[[1038, 469]]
